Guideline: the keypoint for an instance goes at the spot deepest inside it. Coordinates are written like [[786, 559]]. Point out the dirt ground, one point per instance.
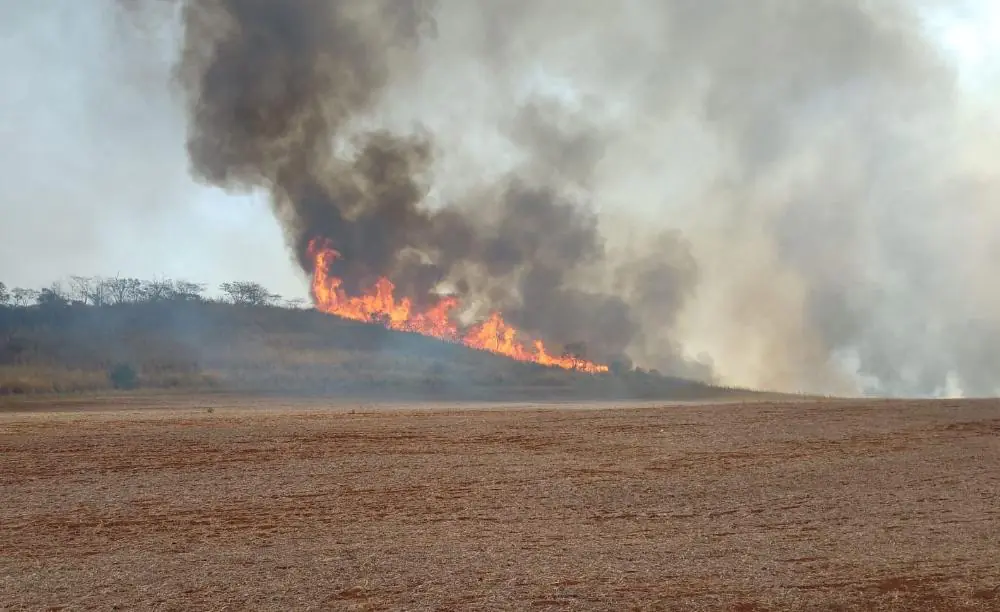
[[231, 504]]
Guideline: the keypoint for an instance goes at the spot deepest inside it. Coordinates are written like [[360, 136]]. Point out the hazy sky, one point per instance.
[[95, 171], [95, 174]]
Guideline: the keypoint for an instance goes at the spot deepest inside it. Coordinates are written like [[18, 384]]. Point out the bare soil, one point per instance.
[[222, 503]]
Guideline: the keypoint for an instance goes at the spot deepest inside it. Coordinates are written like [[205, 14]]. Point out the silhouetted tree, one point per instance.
[[158, 290], [248, 293], [51, 297], [188, 291], [4, 295], [21, 297], [123, 290], [91, 290]]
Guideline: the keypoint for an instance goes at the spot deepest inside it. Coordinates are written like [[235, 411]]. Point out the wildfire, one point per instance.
[[380, 305]]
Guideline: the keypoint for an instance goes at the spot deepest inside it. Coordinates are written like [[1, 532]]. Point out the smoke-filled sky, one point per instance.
[[786, 194]]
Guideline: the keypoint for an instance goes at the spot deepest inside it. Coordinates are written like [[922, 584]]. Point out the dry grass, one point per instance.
[[48, 379], [199, 346], [36, 378], [268, 504]]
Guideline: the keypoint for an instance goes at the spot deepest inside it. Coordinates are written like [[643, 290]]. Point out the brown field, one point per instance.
[[222, 503]]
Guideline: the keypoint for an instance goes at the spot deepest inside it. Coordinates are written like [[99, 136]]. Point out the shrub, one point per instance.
[[123, 376]]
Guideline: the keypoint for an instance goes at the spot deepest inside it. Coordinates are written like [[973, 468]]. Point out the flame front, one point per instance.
[[380, 305]]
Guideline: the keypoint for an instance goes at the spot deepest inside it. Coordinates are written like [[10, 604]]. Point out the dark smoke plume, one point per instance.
[[275, 88], [790, 188]]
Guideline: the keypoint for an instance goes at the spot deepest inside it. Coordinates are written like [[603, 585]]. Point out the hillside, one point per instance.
[[201, 345]]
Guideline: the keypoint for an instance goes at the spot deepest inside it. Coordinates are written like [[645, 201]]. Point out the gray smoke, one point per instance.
[[786, 187], [279, 95]]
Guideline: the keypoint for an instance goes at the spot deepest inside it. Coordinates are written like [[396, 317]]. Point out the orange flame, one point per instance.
[[380, 305]]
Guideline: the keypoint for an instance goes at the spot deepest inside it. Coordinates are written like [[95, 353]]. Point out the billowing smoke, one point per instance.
[[282, 96], [789, 193]]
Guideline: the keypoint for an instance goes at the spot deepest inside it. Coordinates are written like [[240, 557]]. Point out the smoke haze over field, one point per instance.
[[784, 194]]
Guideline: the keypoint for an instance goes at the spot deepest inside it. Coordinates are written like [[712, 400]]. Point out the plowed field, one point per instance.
[[231, 504]]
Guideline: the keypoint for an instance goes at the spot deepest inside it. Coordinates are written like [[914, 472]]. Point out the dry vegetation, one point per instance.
[[159, 503], [199, 345]]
